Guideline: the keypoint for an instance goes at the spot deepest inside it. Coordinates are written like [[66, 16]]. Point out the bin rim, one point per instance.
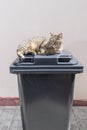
[[48, 65]]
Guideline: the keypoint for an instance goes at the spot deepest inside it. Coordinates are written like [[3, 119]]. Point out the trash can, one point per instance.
[[46, 84]]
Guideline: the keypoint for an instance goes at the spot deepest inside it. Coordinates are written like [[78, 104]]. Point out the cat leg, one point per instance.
[[61, 49], [20, 55]]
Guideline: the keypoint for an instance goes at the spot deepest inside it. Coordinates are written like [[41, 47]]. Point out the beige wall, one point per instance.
[[21, 19]]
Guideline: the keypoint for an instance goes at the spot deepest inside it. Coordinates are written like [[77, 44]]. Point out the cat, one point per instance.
[[42, 46]]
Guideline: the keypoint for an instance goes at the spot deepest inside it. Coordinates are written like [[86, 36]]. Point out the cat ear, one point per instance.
[[51, 34], [60, 35]]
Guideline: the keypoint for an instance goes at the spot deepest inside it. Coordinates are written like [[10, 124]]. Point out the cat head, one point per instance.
[[59, 36]]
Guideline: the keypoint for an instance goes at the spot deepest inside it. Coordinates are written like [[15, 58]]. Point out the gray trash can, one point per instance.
[[46, 84]]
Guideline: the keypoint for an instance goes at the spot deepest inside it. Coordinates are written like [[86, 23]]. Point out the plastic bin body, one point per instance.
[[46, 93], [46, 100]]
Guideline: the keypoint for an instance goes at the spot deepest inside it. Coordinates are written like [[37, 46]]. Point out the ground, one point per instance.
[[10, 118]]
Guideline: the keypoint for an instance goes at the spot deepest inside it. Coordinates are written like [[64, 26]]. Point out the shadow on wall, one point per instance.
[[79, 50]]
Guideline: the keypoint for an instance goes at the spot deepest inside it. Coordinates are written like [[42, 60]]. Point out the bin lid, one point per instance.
[[56, 63]]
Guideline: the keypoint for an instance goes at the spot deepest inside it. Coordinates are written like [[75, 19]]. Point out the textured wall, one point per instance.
[[21, 19]]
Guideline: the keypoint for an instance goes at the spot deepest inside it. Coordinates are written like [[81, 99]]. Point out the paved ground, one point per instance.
[[10, 118]]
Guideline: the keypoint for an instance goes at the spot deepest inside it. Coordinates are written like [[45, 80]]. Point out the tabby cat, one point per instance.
[[42, 45]]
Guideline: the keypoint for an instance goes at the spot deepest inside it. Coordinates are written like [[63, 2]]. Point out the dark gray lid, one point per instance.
[[57, 63]]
